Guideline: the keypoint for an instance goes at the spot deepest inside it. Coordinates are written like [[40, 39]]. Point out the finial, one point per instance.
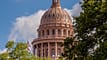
[[55, 3]]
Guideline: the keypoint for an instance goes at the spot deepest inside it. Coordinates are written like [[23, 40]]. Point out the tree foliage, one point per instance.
[[69, 48], [91, 32], [18, 51]]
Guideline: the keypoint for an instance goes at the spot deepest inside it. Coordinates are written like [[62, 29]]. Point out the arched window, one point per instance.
[[52, 44], [59, 32], [47, 32], [53, 15], [39, 53], [43, 33], [64, 32], [53, 32], [46, 52], [53, 52], [39, 34], [69, 32], [60, 44], [49, 16], [43, 53], [59, 52]]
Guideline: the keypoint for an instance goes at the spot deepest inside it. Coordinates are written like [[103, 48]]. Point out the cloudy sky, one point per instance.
[[19, 19]]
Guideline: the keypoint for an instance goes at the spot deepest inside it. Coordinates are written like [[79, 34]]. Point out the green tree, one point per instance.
[[4, 56], [69, 48], [17, 51], [10, 45], [60, 58], [91, 32]]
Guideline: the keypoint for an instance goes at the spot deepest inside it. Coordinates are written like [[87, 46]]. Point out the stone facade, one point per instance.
[[54, 27]]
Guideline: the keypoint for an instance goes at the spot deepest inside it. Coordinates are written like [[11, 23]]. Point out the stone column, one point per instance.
[[48, 49], [34, 50], [62, 33], [62, 49], [44, 50], [55, 49], [56, 32], [50, 32], [41, 49], [37, 49]]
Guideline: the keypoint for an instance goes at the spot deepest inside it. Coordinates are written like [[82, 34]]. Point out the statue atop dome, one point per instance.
[[55, 3]]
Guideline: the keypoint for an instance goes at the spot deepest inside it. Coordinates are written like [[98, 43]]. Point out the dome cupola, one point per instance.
[[55, 15]]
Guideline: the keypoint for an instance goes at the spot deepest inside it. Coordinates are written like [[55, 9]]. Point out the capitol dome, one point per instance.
[[56, 15], [55, 26]]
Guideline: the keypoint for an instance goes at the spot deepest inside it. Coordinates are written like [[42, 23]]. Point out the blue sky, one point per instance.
[[11, 9]]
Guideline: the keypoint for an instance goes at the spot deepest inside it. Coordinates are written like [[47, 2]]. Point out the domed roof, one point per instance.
[[55, 14]]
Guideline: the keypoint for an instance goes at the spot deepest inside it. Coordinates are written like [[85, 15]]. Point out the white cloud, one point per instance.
[[25, 27], [2, 51], [75, 11]]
